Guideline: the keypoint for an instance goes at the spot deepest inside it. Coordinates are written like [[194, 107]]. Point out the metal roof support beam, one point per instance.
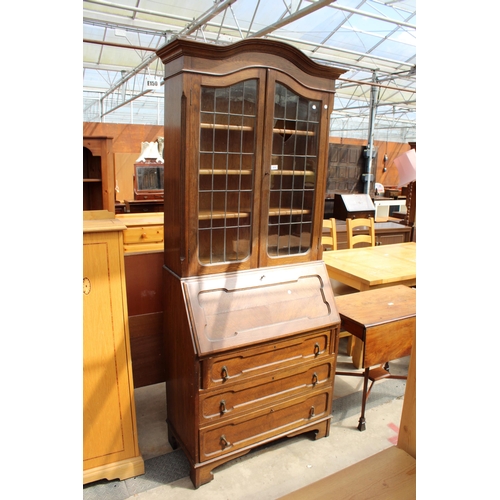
[[290, 19], [192, 27], [373, 111], [207, 16], [374, 16]]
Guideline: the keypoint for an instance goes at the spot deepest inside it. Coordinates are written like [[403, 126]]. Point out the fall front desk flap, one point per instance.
[[236, 309]]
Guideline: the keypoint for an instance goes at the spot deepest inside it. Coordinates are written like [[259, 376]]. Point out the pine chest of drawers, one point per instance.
[[250, 358]]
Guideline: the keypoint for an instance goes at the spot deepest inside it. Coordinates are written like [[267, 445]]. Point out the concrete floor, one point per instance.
[[284, 466]]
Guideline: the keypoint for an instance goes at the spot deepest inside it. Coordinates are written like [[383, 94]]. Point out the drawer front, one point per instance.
[[269, 389], [252, 362], [265, 424], [144, 234]]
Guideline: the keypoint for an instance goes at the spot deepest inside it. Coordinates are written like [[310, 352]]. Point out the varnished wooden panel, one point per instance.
[[388, 475], [388, 341], [281, 384], [252, 362], [263, 424], [144, 283], [146, 345], [109, 426]]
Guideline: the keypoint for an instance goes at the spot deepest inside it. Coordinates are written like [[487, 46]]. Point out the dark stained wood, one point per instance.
[[389, 341], [345, 168], [247, 394], [384, 319], [377, 307], [146, 346], [261, 52], [246, 361], [143, 275], [98, 164], [189, 66]]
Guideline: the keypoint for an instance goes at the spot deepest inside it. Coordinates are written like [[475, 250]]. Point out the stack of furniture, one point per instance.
[[143, 251], [251, 326]]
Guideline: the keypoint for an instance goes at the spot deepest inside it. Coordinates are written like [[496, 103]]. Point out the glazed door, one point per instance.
[[228, 169], [294, 165]]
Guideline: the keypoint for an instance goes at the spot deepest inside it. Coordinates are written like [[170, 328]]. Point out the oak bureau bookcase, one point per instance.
[[251, 327]]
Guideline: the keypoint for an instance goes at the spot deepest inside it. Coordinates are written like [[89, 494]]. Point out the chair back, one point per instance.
[[355, 239], [329, 242]]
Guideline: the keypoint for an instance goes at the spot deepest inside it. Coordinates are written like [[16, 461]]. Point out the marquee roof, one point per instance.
[[374, 40]]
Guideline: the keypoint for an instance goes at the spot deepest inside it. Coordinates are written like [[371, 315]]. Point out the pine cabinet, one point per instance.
[[110, 443], [98, 174], [251, 326]]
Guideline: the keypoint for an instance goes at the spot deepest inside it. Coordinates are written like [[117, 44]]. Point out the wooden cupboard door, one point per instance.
[[294, 166], [109, 429], [227, 139]]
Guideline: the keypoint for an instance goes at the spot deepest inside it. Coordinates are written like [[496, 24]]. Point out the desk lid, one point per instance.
[[236, 309]]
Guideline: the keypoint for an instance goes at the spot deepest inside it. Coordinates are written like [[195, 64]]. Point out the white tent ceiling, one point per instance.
[[374, 40]]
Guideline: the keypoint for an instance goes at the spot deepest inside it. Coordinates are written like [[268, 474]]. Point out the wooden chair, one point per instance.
[[329, 242], [355, 239]]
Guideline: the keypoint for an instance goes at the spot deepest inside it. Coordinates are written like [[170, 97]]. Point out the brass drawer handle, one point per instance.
[[224, 373], [314, 379], [224, 441], [223, 407], [316, 349], [311, 412]]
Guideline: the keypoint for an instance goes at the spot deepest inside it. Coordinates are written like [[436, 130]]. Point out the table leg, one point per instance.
[[357, 352], [362, 421]]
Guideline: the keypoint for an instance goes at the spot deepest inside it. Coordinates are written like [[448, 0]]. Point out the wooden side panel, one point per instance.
[[181, 370], [146, 345], [407, 439], [174, 189], [144, 283], [388, 475], [124, 173], [345, 166], [143, 274], [389, 341], [109, 432]]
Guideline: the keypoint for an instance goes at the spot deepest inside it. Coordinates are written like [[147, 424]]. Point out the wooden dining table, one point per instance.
[[366, 268]]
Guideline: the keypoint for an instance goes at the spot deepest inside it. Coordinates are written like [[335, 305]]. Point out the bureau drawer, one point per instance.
[[143, 234], [265, 424], [251, 362], [269, 389]]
